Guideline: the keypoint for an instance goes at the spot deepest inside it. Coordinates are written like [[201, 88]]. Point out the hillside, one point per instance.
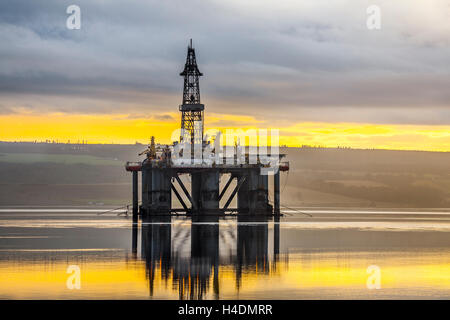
[[61, 174]]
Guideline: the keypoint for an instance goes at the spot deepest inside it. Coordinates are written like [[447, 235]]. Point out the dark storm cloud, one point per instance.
[[311, 63]]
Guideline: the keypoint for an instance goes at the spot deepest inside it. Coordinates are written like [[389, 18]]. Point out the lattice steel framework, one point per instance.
[[191, 108]]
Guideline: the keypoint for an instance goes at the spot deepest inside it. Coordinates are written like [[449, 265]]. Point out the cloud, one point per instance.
[[164, 117], [294, 60], [5, 110]]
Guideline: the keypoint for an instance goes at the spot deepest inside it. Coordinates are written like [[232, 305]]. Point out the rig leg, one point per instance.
[[134, 235], [135, 194], [276, 192], [276, 237]]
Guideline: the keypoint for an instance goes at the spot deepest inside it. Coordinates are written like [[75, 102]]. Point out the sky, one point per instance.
[[310, 68]]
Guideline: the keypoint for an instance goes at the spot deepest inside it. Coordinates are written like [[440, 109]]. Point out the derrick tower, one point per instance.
[[191, 108]]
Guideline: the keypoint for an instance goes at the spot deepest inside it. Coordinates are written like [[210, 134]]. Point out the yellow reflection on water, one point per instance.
[[297, 276]]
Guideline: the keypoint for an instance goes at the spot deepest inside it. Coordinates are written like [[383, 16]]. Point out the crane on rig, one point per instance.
[[151, 150]]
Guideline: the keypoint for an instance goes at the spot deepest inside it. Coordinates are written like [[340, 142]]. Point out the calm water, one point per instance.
[[298, 257]]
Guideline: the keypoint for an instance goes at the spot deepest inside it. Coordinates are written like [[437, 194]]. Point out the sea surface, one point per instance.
[[320, 253]]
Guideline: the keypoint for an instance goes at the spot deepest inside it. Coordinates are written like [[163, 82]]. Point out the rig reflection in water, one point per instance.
[[191, 257]]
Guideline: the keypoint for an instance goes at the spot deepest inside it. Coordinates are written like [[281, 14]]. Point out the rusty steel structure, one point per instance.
[[202, 194]]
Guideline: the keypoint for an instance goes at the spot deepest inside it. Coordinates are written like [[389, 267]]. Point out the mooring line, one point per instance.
[[125, 206], [298, 211]]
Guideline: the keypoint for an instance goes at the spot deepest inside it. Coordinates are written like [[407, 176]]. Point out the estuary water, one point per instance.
[[321, 253]]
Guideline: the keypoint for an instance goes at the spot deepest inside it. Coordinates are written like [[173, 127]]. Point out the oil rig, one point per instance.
[[203, 163]]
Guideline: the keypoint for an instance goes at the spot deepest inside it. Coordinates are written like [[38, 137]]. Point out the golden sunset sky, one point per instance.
[[122, 130], [311, 69]]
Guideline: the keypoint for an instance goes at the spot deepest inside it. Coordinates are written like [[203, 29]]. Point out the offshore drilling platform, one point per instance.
[[205, 164]]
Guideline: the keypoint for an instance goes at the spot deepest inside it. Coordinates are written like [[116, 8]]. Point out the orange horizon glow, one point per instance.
[[123, 129]]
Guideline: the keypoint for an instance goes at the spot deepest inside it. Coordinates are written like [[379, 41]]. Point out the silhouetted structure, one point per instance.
[[161, 173], [192, 274]]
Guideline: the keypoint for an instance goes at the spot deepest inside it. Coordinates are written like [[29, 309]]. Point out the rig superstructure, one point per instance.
[[161, 174]]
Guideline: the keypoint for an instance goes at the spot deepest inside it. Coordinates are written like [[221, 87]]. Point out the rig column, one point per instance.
[[276, 192], [135, 193], [243, 201], [161, 191], [210, 191]]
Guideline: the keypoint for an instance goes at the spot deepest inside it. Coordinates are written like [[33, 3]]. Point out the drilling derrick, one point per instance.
[[247, 183], [191, 108]]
